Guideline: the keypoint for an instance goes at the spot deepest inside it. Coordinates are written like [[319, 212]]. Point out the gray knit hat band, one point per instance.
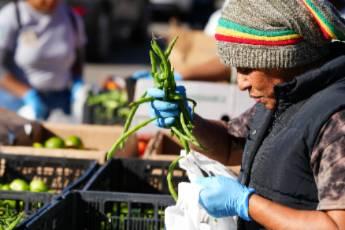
[[261, 57], [261, 20]]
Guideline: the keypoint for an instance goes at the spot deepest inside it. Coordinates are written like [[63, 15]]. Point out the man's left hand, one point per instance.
[[222, 196]]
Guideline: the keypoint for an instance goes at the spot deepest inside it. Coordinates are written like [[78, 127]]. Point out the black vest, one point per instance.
[[276, 160]]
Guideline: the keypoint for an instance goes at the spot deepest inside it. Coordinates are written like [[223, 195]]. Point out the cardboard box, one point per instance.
[[164, 147], [15, 129], [192, 48], [97, 140]]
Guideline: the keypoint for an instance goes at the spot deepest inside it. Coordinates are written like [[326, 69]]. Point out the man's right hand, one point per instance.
[[31, 98], [165, 111]]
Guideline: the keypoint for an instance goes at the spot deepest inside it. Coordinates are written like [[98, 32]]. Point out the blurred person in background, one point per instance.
[[41, 56]]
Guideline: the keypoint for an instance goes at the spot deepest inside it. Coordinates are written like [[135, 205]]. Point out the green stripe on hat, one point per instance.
[[244, 29]]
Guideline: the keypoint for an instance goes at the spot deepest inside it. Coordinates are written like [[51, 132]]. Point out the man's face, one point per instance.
[[45, 6], [260, 84]]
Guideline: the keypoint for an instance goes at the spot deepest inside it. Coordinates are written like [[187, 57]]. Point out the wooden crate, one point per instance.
[[97, 139]]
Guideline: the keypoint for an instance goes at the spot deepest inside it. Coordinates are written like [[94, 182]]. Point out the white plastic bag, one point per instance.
[[187, 213]]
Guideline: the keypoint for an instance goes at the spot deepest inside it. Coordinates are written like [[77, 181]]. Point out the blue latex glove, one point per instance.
[[222, 196], [145, 74], [76, 86], [32, 99], [164, 110]]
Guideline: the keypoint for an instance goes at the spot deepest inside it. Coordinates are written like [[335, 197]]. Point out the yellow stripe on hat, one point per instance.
[[326, 28], [236, 33]]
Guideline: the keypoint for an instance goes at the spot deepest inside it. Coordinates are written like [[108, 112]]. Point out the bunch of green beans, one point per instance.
[[9, 218], [163, 77]]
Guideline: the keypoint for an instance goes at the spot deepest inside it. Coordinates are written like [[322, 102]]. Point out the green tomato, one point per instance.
[[19, 185], [37, 145], [38, 185], [54, 143], [5, 187], [73, 142]]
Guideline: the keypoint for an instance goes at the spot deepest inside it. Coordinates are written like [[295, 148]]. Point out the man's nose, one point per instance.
[[242, 82]]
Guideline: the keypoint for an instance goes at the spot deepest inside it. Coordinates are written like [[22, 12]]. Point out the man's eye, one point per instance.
[[244, 71]]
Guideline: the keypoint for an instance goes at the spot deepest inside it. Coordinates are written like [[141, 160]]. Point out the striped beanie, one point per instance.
[[277, 33]]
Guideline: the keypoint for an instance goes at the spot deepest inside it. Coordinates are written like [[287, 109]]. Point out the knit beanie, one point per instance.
[[277, 33]]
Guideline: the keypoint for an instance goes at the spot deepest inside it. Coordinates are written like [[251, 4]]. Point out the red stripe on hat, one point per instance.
[[224, 38]]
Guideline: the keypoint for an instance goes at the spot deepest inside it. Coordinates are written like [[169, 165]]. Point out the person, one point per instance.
[[41, 56], [291, 59]]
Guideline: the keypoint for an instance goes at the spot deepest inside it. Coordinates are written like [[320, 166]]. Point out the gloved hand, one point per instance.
[[221, 196], [145, 74], [31, 98], [165, 111], [75, 89]]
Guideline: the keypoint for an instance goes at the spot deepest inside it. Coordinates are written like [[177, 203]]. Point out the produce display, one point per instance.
[[109, 106], [9, 217], [20, 185], [163, 76], [11, 211], [57, 143]]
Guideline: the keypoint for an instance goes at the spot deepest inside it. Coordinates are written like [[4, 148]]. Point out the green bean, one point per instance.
[[163, 77], [184, 126], [170, 46], [135, 106], [171, 168], [153, 62], [141, 101], [180, 134], [131, 114], [16, 221], [161, 55], [125, 135]]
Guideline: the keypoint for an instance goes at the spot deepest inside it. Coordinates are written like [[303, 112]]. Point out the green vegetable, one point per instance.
[[37, 145], [9, 217], [73, 142], [109, 104], [38, 185], [54, 143], [16, 221], [5, 187], [163, 78], [19, 185]]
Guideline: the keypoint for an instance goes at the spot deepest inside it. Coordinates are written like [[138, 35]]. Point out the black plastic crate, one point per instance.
[[60, 174], [26, 202], [87, 210], [134, 176]]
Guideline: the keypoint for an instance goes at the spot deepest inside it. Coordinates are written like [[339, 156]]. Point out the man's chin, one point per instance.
[[269, 106]]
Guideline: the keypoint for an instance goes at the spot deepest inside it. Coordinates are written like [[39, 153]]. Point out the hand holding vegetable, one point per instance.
[[170, 110], [165, 88], [166, 111], [222, 196]]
